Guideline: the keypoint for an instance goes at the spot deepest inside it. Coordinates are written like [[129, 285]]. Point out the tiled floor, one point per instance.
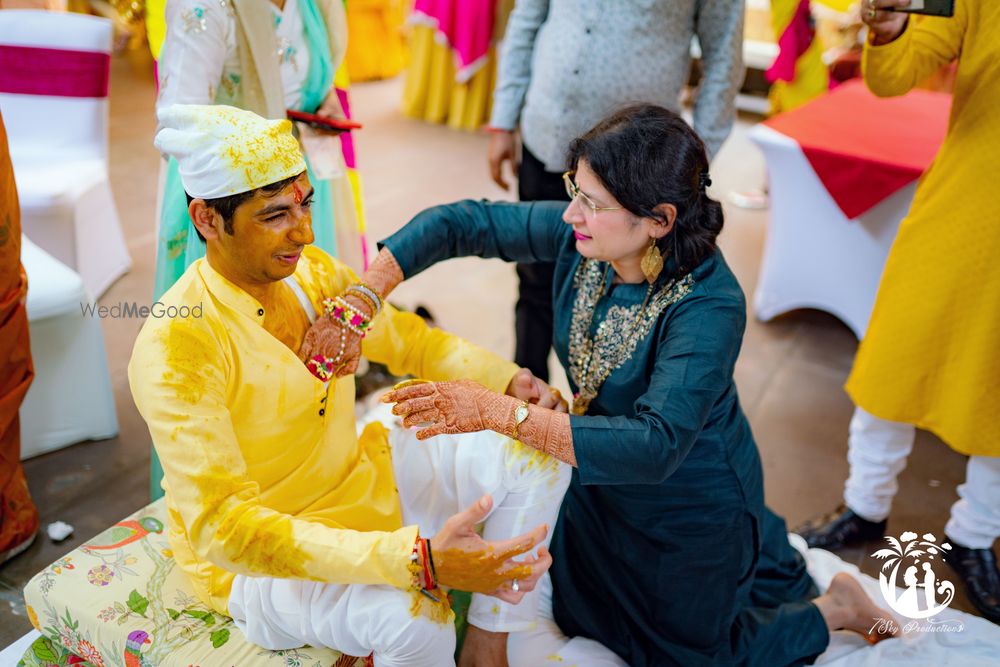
[[790, 372]]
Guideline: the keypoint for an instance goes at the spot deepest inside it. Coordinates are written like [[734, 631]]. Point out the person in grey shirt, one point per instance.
[[564, 65]]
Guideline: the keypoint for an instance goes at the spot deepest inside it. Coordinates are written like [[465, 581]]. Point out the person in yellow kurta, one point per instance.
[[376, 48], [931, 355], [798, 74], [279, 513]]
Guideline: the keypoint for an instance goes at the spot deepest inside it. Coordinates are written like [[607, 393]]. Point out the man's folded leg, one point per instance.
[[546, 644], [353, 619], [441, 476]]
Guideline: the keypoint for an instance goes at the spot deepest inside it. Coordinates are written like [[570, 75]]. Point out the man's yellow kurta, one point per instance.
[[264, 472], [931, 355]]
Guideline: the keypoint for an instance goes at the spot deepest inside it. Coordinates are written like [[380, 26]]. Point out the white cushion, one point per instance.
[[53, 288]]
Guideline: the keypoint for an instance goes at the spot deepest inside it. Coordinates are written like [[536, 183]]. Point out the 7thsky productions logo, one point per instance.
[[910, 585]]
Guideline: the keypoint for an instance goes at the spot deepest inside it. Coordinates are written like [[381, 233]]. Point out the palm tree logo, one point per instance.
[[921, 587]]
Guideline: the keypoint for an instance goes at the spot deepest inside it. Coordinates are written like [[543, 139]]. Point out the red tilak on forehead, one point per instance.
[[298, 193]]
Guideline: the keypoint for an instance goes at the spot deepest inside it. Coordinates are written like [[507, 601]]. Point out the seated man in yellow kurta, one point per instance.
[[280, 515]]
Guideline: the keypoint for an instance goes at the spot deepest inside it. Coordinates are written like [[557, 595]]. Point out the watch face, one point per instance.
[[521, 413]]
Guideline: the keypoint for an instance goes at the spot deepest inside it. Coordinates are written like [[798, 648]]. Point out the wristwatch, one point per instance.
[[520, 414]]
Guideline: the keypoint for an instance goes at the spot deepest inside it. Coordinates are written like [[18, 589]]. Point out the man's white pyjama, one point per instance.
[[436, 478]]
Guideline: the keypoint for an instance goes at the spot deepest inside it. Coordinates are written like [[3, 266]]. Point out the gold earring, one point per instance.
[[652, 262]]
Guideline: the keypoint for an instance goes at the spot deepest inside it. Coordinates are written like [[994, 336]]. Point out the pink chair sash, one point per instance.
[[31, 70]]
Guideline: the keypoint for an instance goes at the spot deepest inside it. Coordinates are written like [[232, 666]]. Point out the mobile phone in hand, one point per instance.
[[929, 7], [323, 123]]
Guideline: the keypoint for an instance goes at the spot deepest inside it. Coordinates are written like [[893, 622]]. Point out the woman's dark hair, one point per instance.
[[226, 206], [646, 155]]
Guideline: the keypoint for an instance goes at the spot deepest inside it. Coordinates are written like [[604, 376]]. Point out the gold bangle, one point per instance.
[[368, 287], [409, 383], [372, 294], [367, 300]]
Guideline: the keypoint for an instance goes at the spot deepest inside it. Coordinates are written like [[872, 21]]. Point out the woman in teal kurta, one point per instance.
[[664, 551]]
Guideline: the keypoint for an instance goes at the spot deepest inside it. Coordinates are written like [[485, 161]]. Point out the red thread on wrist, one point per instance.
[[428, 581]]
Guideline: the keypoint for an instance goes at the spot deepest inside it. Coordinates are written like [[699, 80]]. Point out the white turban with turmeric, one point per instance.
[[223, 151]]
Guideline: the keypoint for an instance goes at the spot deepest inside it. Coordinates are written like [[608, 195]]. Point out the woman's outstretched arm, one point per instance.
[[513, 232], [464, 406], [694, 368]]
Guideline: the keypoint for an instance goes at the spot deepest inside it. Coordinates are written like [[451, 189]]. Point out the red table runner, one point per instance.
[[864, 148]]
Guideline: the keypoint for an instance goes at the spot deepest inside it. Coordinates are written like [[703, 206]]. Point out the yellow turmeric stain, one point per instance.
[[188, 351], [479, 571], [439, 612], [532, 458], [267, 547], [33, 617], [285, 319], [259, 151]]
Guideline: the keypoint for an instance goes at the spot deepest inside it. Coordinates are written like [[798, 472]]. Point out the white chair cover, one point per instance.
[[70, 398], [814, 256], [59, 149]]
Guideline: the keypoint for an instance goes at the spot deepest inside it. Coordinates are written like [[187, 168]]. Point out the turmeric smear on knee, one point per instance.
[[532, 458], [439, 612]]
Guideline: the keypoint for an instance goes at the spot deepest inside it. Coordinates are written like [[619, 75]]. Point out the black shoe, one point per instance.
[[839, 529], [978, 570]]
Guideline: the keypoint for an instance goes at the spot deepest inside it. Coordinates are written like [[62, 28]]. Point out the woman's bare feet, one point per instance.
[[846, 606]]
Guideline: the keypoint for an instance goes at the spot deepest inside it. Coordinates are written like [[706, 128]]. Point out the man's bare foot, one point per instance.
[[483, 649], [846, 606]]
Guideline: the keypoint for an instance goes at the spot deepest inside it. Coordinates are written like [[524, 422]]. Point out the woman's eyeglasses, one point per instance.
[[586, 202]]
